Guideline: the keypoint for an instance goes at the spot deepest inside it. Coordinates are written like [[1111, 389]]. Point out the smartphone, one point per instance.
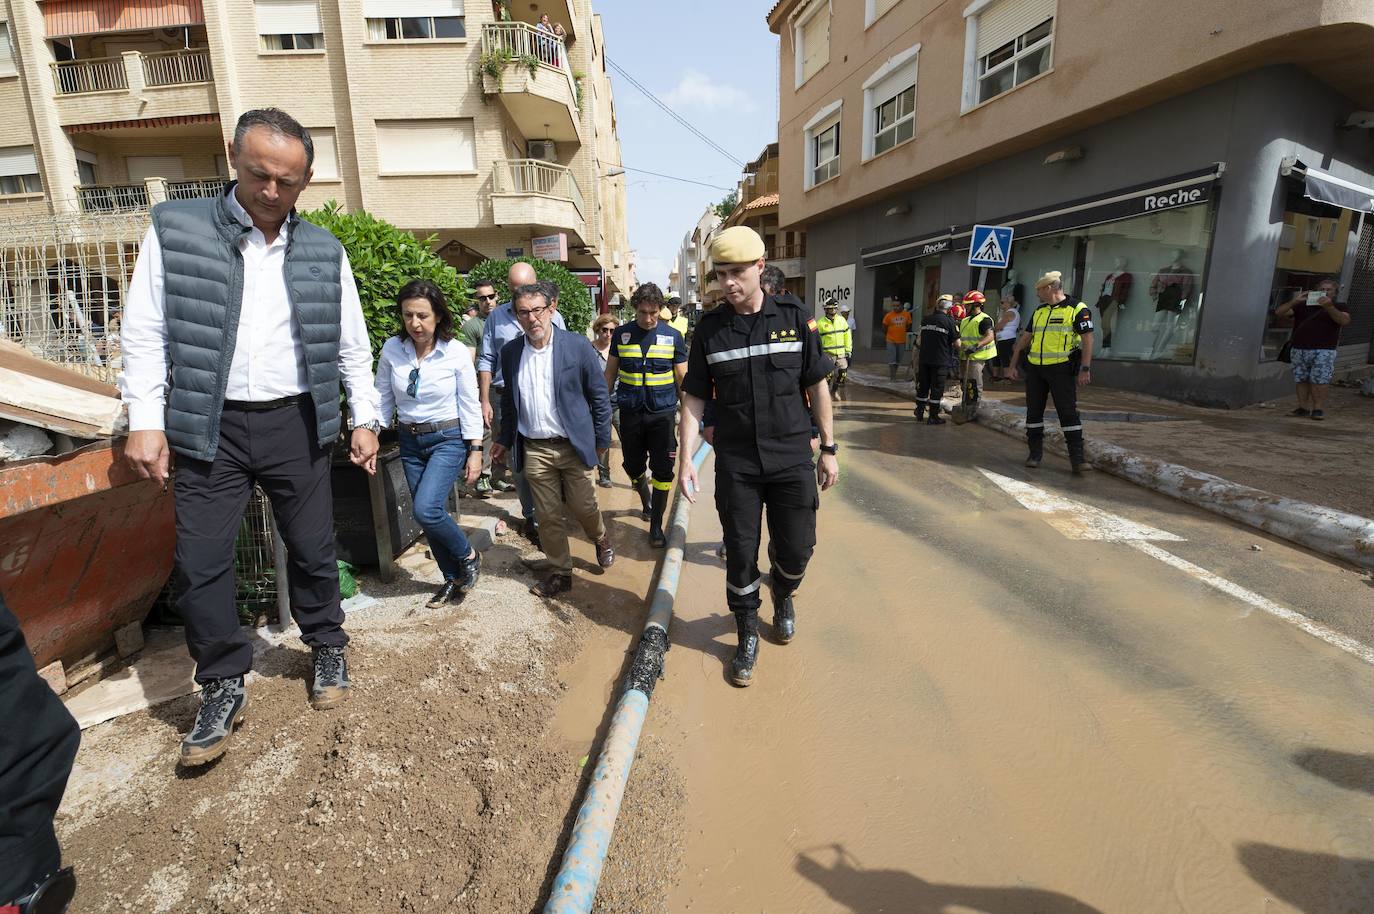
[[1314, 298]]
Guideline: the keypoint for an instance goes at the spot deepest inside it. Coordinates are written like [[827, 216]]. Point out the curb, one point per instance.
[[1337, 534]]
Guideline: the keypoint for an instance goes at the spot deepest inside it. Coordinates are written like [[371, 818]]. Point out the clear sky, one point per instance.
[[714, 62]]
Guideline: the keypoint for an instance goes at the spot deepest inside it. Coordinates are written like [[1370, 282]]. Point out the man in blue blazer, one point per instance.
[[556, 394]]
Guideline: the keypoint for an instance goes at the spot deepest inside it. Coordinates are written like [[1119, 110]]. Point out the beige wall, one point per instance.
[[1108, 58]]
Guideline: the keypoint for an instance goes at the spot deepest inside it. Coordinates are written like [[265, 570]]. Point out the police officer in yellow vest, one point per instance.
[[672, 316], [836, 342], [977, 347], [649, 358], [1058, 343]]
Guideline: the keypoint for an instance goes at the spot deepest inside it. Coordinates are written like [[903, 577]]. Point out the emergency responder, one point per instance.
[[649, 358], [1059, 347], [977, 346], [676, 319], [836, 342], [761, 359], [938, 342]]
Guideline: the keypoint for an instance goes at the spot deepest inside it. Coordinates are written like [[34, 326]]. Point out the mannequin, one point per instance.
[[1172, 290], [1013, 289], [1116, 290]]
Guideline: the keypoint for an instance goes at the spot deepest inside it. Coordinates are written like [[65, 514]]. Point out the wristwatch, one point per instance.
[[831, 449], [374, 426], [474, 448]]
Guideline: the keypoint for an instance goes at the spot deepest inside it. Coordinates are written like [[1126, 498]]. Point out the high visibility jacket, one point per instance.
[[836, 340], [969, 334], [646, 360], [680, 324], [1054, 333]]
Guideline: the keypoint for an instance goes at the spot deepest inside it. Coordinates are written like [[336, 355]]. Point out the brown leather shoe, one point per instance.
[[605, 552], [552, 586]]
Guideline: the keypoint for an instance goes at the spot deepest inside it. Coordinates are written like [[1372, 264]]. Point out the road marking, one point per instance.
[[1076, 520]]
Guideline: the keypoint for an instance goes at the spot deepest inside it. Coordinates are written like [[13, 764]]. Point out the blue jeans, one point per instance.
[[433, 463]]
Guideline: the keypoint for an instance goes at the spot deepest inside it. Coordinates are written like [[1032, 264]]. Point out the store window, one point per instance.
[[910, 284], [1142, 277], [1011, 41]]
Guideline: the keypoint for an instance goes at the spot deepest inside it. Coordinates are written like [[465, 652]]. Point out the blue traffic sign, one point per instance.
[[990, 246]]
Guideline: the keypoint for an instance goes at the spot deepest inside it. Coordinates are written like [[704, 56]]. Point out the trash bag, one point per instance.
[[348, 584]]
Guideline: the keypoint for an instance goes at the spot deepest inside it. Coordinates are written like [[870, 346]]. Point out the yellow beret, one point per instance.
[[738, 244], [1051, 276], [664, 314], [945, 297]]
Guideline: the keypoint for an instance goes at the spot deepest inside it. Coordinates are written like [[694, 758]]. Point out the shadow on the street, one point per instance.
[[1344, 769], [1314, 883]]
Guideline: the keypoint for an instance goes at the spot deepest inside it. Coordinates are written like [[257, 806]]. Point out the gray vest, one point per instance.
[[203, 271]]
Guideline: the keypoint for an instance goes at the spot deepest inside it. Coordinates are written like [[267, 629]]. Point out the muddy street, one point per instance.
[[1018, 691]]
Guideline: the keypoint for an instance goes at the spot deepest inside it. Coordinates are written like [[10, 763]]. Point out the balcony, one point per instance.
[[136, 197], [134, 86], [530, 72], [790, 258], [531, 192]]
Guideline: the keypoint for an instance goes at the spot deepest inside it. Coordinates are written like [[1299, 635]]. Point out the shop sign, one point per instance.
[[550, 247], [515, 252], [837, 283], [933, 247]]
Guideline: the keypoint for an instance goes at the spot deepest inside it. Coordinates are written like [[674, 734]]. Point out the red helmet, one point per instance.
[[957, 311], [975, 298]]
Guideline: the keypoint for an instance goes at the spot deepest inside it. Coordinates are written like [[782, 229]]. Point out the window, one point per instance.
[[290, 25], [811, 39], [426, 147], [821, 138], [19, 171], [1010, 42], [87, 166], [7, 67], [414, 20], [876, 9], [890, 104], [326, 154]]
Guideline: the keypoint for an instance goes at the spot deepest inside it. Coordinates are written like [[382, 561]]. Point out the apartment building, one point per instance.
[[757, 208], [1188, 166], [456, 118], [692, 263]]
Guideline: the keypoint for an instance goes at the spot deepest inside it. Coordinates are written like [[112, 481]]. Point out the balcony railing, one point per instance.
[[176, 68], [104, 74], [787, 251], [196, 188], [531, 176], [522, 41], [112, 198]]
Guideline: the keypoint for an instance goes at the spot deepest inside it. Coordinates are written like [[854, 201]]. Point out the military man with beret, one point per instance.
[[760, 357]]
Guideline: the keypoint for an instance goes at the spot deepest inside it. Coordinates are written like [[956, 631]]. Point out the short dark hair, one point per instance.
[[479, 283], [773, 278], [280, 123], [674, 300], [648, 292], [423, 288], [530, 291]]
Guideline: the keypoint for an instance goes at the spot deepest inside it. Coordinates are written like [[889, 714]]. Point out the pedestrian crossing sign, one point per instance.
[[990, 246]]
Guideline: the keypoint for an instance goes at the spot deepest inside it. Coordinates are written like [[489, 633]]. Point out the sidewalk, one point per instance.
[[1324, 463]]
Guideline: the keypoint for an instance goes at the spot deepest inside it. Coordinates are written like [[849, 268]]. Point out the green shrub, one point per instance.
[[574, 299], [384, 258]]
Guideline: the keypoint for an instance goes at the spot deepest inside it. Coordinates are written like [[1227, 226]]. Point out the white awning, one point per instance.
[[1327, 188], [288, 17]]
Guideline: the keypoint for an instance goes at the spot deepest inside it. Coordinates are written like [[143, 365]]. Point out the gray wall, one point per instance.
[[1250, 122]]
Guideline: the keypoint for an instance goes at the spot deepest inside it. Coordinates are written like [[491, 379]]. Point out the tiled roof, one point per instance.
[[761, 202]]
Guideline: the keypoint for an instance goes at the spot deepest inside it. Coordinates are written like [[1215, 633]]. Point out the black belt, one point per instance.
[[425, 428], [554, 440], [259, 406]]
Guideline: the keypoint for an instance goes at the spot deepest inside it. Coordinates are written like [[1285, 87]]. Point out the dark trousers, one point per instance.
[[1060, 382], [277, 450], [930, 386], [36, 754], [522, 487], [649, 439], [790, 500]]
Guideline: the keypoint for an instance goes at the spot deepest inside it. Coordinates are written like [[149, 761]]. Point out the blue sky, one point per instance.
[[714, 62]]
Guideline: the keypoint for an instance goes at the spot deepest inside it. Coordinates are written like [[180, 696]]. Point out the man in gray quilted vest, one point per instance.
[[241, 322]]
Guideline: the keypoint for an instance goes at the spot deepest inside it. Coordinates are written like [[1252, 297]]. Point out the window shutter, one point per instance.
[[816, 42], [141, 168], [424, 146], [7, 66], [17, 160], [1007, 20], [893, 84], [288, 17], [326, 153], [394, 9]]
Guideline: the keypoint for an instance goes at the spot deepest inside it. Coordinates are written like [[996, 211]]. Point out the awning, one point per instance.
[[173, 121], [1327, 188], [64, 18], [906, 249]]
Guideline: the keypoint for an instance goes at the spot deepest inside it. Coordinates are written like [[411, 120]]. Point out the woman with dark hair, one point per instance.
[[427, 379]]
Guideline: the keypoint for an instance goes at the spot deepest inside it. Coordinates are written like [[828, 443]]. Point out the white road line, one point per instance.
[[1315, 629]]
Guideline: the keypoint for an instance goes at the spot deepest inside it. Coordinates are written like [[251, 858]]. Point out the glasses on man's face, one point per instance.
[[414, 386], [491, 297], [529, 314]]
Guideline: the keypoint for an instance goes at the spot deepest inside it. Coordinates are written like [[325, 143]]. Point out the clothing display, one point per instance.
[[1172, 287], [1116, 290]]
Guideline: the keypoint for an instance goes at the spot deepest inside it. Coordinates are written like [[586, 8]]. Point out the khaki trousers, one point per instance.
[[555, 473]]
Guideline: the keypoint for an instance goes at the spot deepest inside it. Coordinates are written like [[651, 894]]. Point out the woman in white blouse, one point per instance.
[[427, 379]]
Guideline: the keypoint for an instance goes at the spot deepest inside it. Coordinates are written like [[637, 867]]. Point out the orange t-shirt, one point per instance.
[[897, 324]]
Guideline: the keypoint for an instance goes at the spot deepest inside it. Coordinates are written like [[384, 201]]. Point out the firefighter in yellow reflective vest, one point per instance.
[[1058, 343], [649, 358], [977, 347], [838, 343]]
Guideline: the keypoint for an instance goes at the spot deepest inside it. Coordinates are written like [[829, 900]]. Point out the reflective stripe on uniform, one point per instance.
[[791, 577], [730, 355], [744, 591], [662, 486], [647, 379], [1071, 428]]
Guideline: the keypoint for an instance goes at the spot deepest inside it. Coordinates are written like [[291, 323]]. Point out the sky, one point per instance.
[[714, 62]]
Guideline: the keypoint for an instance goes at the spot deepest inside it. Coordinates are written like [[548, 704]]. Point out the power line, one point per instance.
[[673, 114], [674, 178]]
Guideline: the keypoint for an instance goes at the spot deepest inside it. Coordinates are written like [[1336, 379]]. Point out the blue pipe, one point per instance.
[[574, 888]]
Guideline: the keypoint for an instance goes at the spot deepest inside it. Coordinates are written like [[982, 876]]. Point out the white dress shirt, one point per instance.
[[269, 360], [447, 389], [538, 411]]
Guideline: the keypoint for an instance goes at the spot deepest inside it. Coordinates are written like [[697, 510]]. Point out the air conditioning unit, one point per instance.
[[544, 150]]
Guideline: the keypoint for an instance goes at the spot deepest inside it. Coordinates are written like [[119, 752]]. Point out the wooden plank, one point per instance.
[[17, 358], [59, 400]]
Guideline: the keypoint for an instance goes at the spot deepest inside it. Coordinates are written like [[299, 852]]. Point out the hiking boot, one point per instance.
[[1080, 469], [552, 586], [784, 619], [222, 703], [605, 552], [658, 505], [329, 685], [604, 480], [503, 485], [747, 654], [469, 569], [447, 593], [483, 487]]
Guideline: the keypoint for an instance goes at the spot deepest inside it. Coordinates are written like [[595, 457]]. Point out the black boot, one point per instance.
[[742, 665], [470, 569], [658, 503], [919, 412], [1077, 462], [784, 618], [1036, 444], [641, 486]]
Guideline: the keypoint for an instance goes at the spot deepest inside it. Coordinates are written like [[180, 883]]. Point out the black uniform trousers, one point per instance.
[[789, 499], [930, 386], [648, 439], [278, 450], [36, 754], [1061, 382]]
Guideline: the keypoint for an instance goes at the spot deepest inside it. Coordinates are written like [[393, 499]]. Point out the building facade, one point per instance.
[[1185, 181], [691, 259], [758, 209]]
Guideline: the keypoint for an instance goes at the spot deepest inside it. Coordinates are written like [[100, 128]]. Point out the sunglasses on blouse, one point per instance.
[[414, 386]]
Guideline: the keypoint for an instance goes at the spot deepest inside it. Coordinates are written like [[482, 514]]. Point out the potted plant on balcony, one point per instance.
[[574, 300], [383, 259]]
